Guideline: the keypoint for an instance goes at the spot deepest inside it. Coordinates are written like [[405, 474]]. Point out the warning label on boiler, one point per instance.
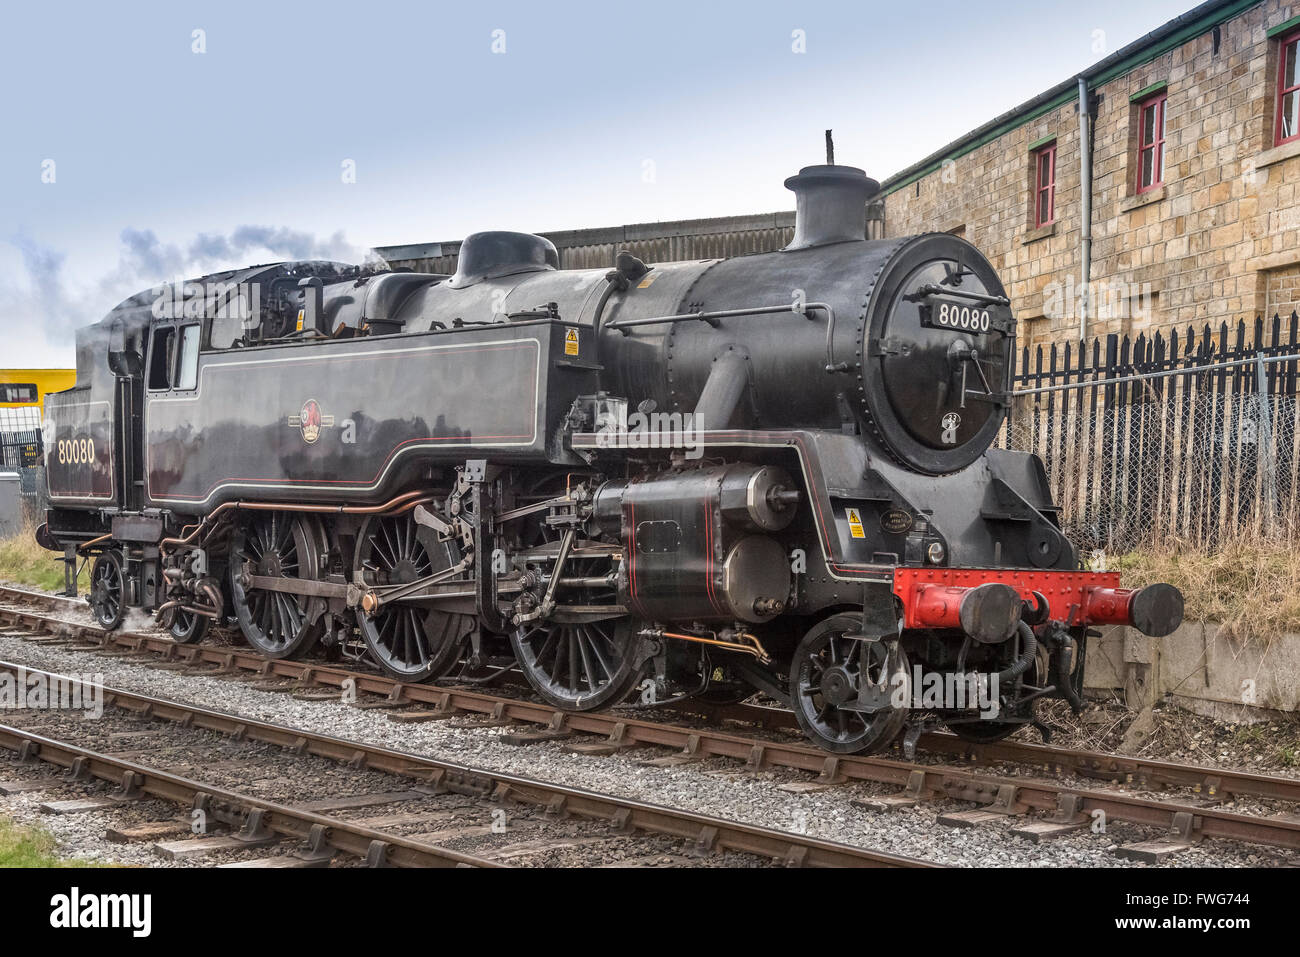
[[855, 523], [571, 342]]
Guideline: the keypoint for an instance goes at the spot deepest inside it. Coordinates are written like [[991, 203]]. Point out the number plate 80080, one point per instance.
[[957, 316]]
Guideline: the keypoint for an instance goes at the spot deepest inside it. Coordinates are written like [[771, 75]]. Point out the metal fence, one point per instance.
[[1192, 437], [26, 418], [22, 451]]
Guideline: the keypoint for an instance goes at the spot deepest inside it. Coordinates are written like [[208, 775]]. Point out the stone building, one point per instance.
[[1195, 160]]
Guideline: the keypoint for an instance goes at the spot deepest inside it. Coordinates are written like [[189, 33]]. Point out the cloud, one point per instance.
[[278, 240], [43, 295], [44, 269], [143, 255]]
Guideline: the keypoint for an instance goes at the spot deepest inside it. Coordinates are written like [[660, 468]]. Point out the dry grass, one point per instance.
[[1251, 587], [24, 562]]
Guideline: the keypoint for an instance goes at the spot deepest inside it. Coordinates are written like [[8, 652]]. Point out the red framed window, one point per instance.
[[1151, 143], [1045, 185], [1287, 121]]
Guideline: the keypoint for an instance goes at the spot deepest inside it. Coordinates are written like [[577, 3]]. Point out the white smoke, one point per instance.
[[283, 242], [40, 294]]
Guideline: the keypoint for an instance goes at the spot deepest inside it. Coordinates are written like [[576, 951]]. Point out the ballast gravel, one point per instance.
[[712, 787]]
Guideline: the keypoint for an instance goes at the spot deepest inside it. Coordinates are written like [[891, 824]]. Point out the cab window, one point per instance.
[[161, 357], [187, 370], [230, 323]]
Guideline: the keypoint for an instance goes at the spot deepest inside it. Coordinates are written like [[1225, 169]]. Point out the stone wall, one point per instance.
[[1282, 290]]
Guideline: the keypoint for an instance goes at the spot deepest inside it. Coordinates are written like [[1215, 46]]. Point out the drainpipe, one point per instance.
[[1085, 188]]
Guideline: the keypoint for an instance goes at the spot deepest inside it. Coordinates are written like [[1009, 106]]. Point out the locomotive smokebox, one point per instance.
[[830, 205]]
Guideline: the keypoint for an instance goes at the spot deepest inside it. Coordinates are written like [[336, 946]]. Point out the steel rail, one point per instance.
[[623, 731], [376, 847], [1143, 772], [706, 831]]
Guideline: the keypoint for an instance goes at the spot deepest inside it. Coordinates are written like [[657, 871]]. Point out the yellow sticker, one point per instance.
[[645, 283], [855, 523], [302, 314], [571, 342]]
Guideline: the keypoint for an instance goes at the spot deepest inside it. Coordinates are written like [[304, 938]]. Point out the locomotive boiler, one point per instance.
[[772, 474]]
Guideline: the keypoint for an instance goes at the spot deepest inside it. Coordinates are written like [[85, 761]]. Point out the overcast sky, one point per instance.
[[131, 157]]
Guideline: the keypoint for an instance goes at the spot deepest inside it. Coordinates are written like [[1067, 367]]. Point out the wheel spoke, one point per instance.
[[423, 646], [386, 635], [399, 533], [408, 536], [283, 623], [587, 669], [557, 665], [292, 616], [423, 559], [393, 547], [548, 646], [263, 609], [285, 539], [411, 641], [413, 626], [389, 562], [573, 660], [600, 657], [838, 728]]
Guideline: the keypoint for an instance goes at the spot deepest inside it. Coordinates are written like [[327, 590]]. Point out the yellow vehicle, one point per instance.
[[20, 388], [22, 400]]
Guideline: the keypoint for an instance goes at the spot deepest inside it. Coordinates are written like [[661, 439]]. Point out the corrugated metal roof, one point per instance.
[[685, 239]]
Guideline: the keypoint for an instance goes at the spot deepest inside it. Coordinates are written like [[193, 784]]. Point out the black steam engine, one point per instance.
[[772, 473]]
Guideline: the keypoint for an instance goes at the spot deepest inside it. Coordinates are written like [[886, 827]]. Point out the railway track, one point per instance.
[[411, 790], [1068, 805]]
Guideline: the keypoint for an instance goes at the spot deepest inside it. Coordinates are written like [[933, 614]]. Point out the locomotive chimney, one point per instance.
[[830, 204]]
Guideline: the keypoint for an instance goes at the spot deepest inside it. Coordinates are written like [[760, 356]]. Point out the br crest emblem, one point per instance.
[[310, 421]]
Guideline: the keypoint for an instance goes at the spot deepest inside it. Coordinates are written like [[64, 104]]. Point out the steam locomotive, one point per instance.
[[773, 473]]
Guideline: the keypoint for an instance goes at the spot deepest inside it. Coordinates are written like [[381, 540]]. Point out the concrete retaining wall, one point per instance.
[[1198, 670]]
